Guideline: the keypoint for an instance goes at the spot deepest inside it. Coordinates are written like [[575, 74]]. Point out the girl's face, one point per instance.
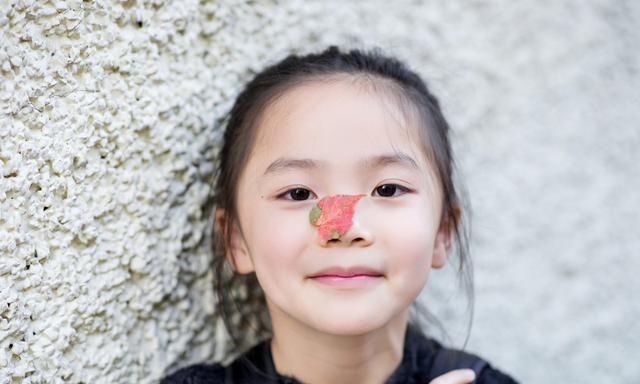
[[327, 138]]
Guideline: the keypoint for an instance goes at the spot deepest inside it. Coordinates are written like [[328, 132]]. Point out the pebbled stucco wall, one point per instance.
[[109, 116]]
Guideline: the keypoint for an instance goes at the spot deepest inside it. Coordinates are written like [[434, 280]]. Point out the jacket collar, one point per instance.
[[256, 365]]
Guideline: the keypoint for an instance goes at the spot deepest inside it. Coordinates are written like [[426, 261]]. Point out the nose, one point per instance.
[[358, 235], [338, 220]]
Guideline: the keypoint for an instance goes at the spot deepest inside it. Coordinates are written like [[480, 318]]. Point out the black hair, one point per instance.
[[241, 303]]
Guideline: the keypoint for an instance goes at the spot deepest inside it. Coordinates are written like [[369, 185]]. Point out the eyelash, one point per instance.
[[288, 192]]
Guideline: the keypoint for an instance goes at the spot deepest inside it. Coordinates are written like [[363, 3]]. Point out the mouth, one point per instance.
[[348, 278], [346, 273]]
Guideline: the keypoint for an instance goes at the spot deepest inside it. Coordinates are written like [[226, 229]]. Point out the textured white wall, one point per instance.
[[109, 115]]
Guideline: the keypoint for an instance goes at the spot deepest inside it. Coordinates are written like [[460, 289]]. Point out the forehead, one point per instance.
[[339, 120]]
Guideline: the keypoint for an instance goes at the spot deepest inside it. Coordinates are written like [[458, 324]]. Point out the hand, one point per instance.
[[459, 376]]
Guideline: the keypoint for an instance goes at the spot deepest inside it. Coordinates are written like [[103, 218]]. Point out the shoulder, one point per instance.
[[491, 375], [446, 359], [252, 366], [434, 360], [197, 374]]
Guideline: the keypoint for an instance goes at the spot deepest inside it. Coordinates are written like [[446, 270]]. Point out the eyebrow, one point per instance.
[[379, 161]]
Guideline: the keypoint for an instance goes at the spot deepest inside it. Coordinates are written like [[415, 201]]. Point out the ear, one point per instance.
[[235, 247], [444, 239]]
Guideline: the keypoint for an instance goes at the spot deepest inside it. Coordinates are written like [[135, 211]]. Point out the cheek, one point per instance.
[[278, 239], [413, 250], [410, 236]]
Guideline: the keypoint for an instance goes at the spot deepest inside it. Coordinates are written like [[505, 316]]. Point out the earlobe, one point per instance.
[[439, 257], [235, 247], [445, 237], [441, 248]]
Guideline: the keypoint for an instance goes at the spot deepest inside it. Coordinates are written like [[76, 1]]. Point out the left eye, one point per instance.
[[390, 190], [297, 194]]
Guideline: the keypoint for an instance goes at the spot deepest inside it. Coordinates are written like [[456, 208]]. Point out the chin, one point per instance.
[[349, 324]]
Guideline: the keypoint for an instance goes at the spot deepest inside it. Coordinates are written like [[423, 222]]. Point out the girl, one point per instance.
[[334, 199]]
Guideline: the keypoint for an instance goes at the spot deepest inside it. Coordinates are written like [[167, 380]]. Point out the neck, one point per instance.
[[312, 356]]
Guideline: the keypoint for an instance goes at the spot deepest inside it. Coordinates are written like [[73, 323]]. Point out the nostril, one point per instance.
[[355, 240]]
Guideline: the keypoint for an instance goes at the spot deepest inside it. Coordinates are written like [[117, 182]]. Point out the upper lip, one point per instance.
[[348, 271]]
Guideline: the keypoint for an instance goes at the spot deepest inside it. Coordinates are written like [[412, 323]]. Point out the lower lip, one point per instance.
[[347, 281]]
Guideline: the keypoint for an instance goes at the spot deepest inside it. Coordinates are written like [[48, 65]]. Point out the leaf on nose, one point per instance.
[[315, 213], [333, 215]]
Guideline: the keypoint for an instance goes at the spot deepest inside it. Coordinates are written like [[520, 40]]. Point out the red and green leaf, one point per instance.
[[333, 215]]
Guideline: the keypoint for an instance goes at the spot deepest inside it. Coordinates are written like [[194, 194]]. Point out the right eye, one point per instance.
[[296, 194]]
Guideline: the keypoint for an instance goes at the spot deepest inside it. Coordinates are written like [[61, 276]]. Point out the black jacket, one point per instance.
[[423, 360]]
